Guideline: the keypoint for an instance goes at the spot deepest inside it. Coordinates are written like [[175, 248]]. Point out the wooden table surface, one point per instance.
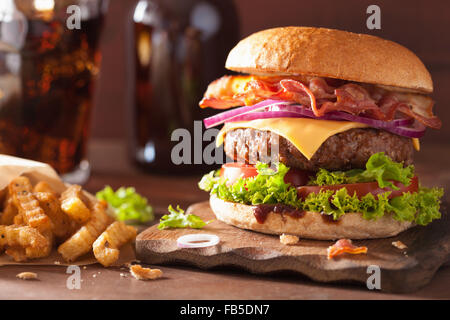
[[110, 166]]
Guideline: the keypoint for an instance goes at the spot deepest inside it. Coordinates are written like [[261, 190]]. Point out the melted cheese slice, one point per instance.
[[307, 135]]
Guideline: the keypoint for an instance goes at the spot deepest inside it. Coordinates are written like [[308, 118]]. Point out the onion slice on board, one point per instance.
[[198, 240]]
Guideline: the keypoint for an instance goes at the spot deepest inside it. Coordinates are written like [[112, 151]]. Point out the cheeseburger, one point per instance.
[[342, 113]]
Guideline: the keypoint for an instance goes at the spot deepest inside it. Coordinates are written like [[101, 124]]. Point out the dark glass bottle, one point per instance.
[[180, 47]]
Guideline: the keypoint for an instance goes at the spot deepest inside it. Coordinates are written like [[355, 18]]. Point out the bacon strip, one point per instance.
[[419, 108], [220, 93], [220, 104], [320, 88], [322, 96], [296, 91], [353, 99], [344, 246], [433, 122]]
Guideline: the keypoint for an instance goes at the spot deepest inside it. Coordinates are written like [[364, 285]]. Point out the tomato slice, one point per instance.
[[362, 189], [234, 170]]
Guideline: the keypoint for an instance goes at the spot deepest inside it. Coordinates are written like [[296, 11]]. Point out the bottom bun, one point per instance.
[[311, 225]]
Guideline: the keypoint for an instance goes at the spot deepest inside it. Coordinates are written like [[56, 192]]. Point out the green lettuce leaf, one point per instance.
[[420, 207], [328, 178], [320, 202], [178, 219], [379, 168], [427, 202], [127, 204], [344, 203], [404, 207], [373, 208], [268, 187]]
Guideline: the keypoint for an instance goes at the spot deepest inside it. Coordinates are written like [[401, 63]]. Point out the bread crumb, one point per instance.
[[84, 267], [27, 275], [399, 245], [57, 262], [288, 239], [141, 273], [94, 275]]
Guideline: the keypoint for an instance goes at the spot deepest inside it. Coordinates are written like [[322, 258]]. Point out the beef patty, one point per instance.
[[346, 150]]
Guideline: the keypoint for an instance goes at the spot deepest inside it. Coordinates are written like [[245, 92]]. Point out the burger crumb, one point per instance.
[[57, 262], [141, 273], [399, 245], [84, 267], [94, 275], [288, 239], [123, 275], [27, 275]]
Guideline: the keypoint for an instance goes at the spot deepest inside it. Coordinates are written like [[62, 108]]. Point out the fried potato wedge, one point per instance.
[[106, 247], [73, 205], [23, 242], [30, 212], [63, 226], [81, 241]]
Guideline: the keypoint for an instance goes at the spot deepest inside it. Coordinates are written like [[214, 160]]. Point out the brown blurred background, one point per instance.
[[421, 26]]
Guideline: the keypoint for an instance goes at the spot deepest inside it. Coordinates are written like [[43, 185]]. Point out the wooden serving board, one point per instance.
[[401, 270]]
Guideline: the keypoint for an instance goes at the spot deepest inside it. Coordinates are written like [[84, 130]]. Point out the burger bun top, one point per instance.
[[330, 53]]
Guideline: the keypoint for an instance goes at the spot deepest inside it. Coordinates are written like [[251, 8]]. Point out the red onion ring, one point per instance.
[[227, 115], [339, 115], [417, 130], [198, 240], [266, 115], [282, 109]]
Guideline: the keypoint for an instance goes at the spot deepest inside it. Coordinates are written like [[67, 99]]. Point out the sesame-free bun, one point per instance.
[[310, 226], [330, 53]]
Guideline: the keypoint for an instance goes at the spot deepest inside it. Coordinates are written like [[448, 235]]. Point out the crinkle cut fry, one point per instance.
[[35, 253], [23, 254], [73, 204], [81, 241], [22, 242], [63, 227], [106, 247], [30, 212]]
